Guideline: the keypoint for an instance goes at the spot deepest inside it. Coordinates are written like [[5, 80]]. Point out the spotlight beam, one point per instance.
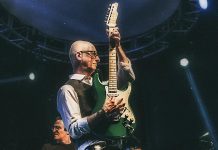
[[14, 79], [31, 76], [201, 107]]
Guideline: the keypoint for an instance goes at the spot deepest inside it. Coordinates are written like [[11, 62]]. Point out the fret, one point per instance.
[[113, 70], [112, 88], [113, 66], [113, 75], [113, 78], [112, 85], [113, 81]]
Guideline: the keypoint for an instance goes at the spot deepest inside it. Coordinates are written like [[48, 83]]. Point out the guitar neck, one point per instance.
[[111, 24], [112, 86]]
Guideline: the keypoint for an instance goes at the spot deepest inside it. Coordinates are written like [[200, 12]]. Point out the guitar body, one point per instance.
[[125, 125]]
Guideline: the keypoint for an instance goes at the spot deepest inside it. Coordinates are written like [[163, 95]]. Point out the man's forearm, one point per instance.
[[121, 54], [97, 118]]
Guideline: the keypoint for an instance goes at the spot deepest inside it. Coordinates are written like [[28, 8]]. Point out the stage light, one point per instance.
[[184, 62], [203, 4], [32, 76]]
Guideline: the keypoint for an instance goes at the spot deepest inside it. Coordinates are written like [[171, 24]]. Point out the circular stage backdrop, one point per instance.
[[84, 19]]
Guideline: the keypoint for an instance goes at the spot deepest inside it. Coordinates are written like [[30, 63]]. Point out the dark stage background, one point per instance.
[[167, 115]]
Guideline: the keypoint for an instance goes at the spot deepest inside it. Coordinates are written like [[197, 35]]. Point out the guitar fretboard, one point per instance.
[[112, 86]]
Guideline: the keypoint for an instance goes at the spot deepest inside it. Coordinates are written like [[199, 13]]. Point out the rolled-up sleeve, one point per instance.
[[125, 72], [68, 107]]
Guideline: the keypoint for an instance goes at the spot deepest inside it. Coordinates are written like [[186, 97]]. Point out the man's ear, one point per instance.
[[78, 55], [66, 131]]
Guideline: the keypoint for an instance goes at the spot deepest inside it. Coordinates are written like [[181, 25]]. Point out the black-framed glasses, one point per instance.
[[92, 54]]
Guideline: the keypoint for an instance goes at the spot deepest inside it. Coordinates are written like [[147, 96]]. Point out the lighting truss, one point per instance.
[[142, 46]]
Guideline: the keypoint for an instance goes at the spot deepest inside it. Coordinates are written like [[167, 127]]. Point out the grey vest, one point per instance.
[[86, 95]]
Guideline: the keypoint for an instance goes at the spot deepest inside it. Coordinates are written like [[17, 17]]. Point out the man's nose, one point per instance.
[[97, 59]]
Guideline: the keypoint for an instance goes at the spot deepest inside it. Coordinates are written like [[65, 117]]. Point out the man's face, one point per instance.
[[58, 131], [90, 59]]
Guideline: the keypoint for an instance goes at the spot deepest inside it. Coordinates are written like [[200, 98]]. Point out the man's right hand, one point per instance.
[[113, 105]]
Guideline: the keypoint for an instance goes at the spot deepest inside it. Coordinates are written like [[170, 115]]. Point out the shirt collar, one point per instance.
[[82, 78]]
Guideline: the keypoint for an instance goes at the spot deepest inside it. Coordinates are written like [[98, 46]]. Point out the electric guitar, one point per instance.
[[123, 124]]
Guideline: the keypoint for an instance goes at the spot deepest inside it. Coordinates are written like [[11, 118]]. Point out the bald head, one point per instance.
[[78, 46]]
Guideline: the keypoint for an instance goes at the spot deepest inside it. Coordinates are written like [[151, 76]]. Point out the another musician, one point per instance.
[[61, 138], [76, 99]]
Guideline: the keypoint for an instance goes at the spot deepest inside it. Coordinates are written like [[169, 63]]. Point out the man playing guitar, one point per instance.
[[77, 99]]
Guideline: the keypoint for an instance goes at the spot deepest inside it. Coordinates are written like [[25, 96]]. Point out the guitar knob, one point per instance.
[[126, 116]]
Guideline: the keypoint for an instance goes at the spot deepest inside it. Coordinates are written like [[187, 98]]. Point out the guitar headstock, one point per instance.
[[111, 18]]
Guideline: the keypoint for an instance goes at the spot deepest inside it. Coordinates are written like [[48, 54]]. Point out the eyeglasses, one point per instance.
[[92, 54]]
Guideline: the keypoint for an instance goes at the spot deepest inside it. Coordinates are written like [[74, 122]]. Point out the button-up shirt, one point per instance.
[[68, 105]]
